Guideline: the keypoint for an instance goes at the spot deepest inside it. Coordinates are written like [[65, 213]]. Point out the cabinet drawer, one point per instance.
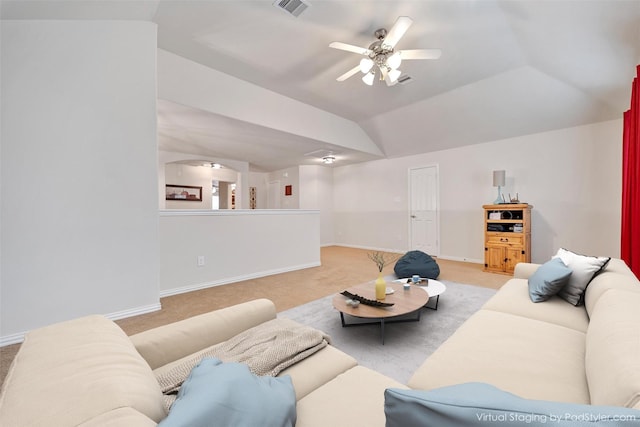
[[504, 239]]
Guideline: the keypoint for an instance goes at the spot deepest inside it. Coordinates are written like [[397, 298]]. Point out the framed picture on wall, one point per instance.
[[252, 197], [288, 190], [187, 193]]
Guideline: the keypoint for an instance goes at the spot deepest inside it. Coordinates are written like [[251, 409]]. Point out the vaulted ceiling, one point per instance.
[[508, 68]]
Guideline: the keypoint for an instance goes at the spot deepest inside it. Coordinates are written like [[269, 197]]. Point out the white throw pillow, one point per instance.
[[584, 269]]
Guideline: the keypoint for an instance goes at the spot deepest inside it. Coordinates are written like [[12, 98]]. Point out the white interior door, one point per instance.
[[273, 195], [424, 227]]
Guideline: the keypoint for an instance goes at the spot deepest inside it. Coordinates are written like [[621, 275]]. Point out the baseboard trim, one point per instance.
[[12, 339], [136, 311], [228, 280], [372, 248], [454, 258], [400, 251]]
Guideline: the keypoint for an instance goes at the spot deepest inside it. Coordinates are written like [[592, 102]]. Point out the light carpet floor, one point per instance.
[[406, 345]]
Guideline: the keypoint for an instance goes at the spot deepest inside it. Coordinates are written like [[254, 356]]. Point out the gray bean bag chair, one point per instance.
[[417, 262]]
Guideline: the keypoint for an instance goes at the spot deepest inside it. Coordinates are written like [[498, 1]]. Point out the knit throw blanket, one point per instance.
[[267, 349]]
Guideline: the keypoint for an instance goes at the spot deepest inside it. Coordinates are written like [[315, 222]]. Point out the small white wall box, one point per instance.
[[495, 215]]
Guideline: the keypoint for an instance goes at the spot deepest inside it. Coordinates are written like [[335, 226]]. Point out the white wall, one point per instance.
[[316, 192], [312, 188], [572, 177], [236, 245], [289, 176], [78, 172]]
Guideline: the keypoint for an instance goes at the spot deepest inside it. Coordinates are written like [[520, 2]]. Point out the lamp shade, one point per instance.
[[365, 65], [394, 61], [498, 178], [393, 75], [368, 78]]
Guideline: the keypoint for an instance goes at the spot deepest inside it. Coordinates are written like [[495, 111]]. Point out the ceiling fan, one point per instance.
[[383, 55]]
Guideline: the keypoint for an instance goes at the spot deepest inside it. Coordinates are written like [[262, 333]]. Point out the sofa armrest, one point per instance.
[[168, 343], [524, 270]]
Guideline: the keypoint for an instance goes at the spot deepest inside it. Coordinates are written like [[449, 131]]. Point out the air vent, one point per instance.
[[294, 7], [404, 79]]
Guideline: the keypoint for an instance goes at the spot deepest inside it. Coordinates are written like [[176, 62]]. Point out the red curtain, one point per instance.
[[630, 238]]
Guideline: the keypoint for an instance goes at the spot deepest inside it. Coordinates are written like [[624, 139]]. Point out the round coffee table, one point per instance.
[[405, 301], [433, 287]]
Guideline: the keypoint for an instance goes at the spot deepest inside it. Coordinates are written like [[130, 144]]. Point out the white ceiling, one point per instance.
[[508, 68]]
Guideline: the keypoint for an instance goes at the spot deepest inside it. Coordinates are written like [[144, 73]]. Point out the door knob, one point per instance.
[[413, 216]]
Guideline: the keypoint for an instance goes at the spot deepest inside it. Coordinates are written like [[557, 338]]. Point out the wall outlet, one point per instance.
[[200, 260]]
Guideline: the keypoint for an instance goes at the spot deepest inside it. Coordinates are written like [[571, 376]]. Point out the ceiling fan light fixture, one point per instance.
[[327, 160], [365, 65], [394, 61], [382, 57], [369, 77], [393, 75]]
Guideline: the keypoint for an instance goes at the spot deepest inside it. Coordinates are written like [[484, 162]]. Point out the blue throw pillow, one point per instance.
[[548, 280], [229, 394], [474, 404]]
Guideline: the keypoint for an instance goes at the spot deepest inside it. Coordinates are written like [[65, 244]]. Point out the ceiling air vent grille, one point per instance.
[[294, 7], [404, 79]]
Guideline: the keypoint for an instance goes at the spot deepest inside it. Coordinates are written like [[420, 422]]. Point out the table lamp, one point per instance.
[[498, 181]]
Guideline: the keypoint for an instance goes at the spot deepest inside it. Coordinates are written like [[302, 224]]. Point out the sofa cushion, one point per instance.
[[531, 358], [513, 298], [354, 399], [547, 281], [417, 262], [306, 375], [584, 269], [612, 359], [228, 394], [87, 364], [473, 404], [318, 369], [120, 417]]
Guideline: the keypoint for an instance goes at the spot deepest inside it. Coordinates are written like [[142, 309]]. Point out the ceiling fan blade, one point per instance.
[[397, 31], [348, 74], [350, 48], [420, 54]]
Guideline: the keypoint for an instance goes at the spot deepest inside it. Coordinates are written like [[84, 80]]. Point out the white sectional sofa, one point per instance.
[[552, 350], [87, 372]]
